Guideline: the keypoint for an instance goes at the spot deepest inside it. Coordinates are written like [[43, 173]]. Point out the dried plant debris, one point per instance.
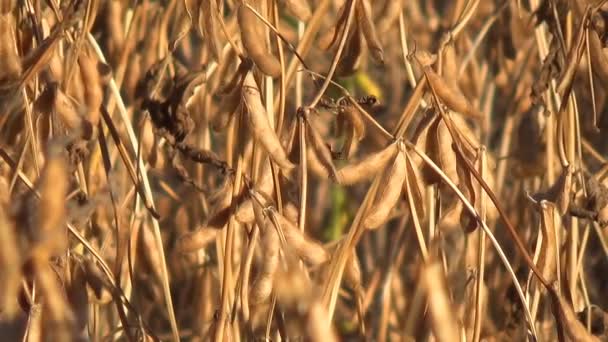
[[332, 170], [559, 193], [594, 206], [169, 111]]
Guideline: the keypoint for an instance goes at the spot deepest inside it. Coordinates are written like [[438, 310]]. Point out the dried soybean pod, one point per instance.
[[308, 250], [220, 205], [180, 28], [7, 6], [253, 42], [351, 144], [477, 191], [414, 186], [441, 311], [93, 87], [259, 125], [265, 186], [364, 18], [468, 221], [565, 189], [210, 27], [314, 165], [327, 40], [230, 104], [53, 188], [379, 213], [321, 150], [317, 328], [244, 213], [291, 212], [367, 167], [470, 143], [573, 58], [292, 141], [451, 96], [451, 217], [390, 14], [351, 58], [547, 261], [148, 251], [299, 8], [352, 272], [270, 243], [10, 257], [421, 138], [70, 114], [11, 63], [261, 288], [439, 146], [567, 321], [450, 64], [112, 17], [353, 116], [196, 240]]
